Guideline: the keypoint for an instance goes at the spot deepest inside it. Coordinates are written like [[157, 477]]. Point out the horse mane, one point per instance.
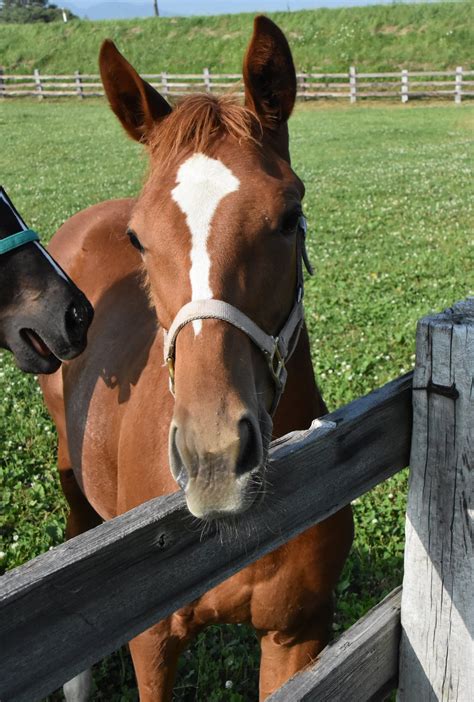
[[198, 121]]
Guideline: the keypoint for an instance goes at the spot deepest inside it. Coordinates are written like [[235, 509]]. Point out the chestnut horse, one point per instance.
[[208, 276]]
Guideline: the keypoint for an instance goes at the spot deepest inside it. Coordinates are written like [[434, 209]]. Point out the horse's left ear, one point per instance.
[[137, 105], [269, 74]]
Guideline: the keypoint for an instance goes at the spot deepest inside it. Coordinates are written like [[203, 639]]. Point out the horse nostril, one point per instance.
[[178, 469], [78, 318], [250, 453], [89, 310]]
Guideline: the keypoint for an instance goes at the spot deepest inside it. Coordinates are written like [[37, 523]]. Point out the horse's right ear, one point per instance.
[[137, 105]]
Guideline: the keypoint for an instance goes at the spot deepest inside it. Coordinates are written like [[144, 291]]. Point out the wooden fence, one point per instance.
[[57, 618], [404, 85]]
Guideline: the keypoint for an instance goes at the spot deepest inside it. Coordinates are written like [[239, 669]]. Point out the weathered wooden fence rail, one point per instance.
[[66, 609], [437, 604], [404, 85], [57, 617]]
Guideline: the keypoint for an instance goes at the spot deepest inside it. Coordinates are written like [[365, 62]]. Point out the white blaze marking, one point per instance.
[[202, 183]]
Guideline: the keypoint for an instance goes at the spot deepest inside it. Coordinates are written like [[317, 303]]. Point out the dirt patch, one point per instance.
[[394, 29], [231, 35]]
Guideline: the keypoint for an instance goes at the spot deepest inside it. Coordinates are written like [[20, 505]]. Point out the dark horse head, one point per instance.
[[44, 317]]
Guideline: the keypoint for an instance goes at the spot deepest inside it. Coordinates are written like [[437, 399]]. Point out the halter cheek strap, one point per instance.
[[13, 241], [276, 349]]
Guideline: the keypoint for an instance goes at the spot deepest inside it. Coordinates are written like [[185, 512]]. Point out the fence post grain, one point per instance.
[[78, 80], [437, 605], [164, 83], [39, 87], [352, 84], [207, 80], [404, 91], [458, 86]]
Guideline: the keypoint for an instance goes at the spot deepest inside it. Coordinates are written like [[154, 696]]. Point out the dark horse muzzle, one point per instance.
[[44, 317]]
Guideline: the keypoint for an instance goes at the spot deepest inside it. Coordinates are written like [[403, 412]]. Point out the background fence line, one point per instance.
[[405, 85]]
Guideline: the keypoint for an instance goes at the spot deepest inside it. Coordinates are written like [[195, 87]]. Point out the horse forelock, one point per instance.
[[198, 121]]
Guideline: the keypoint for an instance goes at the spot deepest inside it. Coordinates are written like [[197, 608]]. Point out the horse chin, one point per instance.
[[225, 507], [30, 362], [41, 353], [217, 513], [32, 355]]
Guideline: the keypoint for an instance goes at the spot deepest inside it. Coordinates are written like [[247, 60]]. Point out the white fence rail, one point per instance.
[[404, 85]]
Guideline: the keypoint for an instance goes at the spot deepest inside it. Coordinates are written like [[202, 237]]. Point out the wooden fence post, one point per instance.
[[78, 80], [404, 85], [301, 85], [437, 614], [164, 84], [352, 84], [39, 87], [458, 86], [3, 87], [207, 80]]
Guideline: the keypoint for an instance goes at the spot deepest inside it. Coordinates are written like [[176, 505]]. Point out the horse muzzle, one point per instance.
[[220, 472], [44, 335]]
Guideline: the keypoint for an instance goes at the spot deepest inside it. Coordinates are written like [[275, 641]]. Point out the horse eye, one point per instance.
[[134, 240], [290, 221]]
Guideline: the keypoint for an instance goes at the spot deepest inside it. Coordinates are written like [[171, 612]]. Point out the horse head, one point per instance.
[[220, 229], [44, 317]]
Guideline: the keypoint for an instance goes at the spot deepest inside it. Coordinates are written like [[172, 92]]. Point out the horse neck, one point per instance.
[[301, 402]]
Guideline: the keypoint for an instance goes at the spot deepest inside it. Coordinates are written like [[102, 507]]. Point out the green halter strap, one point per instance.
[[15, 240]]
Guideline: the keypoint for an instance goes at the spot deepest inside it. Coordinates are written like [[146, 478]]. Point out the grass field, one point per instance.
[[384, 37], [390, 210]]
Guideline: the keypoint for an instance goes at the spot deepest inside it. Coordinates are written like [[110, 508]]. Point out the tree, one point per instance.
[[25, 11]]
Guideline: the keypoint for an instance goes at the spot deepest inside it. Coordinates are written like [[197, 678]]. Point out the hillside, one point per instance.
[[382, 37]]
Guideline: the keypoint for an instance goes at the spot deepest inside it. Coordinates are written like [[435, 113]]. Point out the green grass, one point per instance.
[[390, 209], [414, 36]]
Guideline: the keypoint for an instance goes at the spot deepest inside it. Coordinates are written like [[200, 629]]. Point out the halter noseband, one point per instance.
[[13, 241], [276, 349]]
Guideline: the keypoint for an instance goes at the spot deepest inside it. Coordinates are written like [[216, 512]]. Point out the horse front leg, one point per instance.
[[298, 627], [283, 654], [155, 655]]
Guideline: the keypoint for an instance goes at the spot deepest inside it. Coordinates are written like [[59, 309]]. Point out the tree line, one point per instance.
[[26, 11]]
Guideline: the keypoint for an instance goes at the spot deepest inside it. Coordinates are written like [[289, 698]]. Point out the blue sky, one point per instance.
[[199, 7], [107, 9], [202, 7]]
